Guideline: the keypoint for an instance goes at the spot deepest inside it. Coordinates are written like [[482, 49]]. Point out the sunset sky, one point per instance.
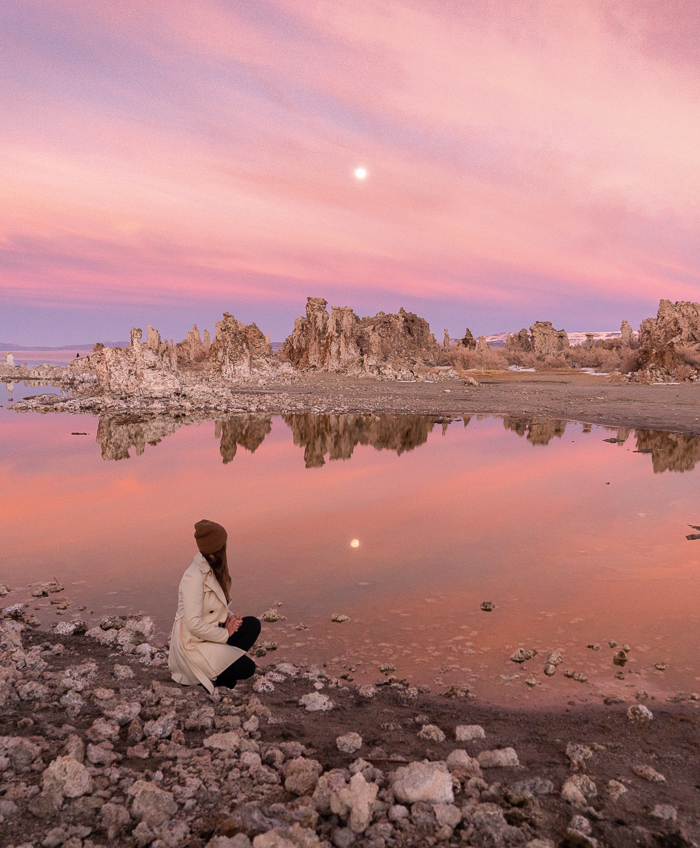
[[165, 161]]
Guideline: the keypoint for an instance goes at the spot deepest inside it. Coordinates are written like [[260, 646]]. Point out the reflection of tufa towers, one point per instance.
[[333, 437], [336, 436]]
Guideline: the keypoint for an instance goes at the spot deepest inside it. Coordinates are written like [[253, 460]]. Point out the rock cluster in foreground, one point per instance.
[[98, 747]]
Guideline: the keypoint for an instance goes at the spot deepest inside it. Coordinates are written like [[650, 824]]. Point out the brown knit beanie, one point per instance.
[[210, 536]]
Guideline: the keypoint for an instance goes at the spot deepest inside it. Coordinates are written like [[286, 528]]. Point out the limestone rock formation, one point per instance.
[[385, 345], [136, 370], [468, 342], [546, 341], [392, 344], [677, 325], [239, 351], [482, 346], [322, 341], [519, 342], [626, 334]]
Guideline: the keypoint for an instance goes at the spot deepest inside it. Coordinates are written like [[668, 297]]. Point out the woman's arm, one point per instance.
[[192, 586]]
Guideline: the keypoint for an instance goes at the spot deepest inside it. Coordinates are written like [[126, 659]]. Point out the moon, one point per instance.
[[360, 173]]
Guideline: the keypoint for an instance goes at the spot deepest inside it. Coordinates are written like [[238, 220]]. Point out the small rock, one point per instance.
[[620, 658], [578, 790], [428, 782], [462, 765], [161, 728], [521, 655], [580, 677], [315, 702], [67, 777], [578, 754], [555, 658], [499, 758], [339, 618], [550, 669], [271, 615], [648, 773], [123, 672], [366, 692], [447, 815], [301, 775], [229, 741], [262, 684], [665, 812], [349, 743], [616, 789], [487, 606], [593, 647], [355, 802], [151, 804], [639, 713], [660, 666], [431, 733], [467, 732]]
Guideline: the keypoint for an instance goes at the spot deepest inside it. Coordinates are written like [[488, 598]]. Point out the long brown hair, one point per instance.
[[219, 565]]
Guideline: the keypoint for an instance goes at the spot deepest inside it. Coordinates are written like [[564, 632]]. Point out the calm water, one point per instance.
[[576, 540]]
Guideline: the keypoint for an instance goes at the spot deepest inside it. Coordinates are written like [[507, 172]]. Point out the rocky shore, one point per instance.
[[98, 746]]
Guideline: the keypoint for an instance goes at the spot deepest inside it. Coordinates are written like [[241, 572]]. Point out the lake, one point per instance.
[[404, 523]]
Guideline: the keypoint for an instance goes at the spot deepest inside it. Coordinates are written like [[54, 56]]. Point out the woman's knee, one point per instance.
[[253, 624], [245, 668]]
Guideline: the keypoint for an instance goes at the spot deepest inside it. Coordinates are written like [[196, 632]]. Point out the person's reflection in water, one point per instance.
[[208, 644]]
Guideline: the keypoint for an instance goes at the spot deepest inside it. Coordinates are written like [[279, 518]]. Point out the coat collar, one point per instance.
[[210, 580]]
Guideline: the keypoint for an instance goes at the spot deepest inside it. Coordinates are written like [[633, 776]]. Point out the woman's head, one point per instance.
[[211, 541], [209, 536]]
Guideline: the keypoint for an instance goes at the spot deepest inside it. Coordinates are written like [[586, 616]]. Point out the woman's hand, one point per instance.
[[233, 623]]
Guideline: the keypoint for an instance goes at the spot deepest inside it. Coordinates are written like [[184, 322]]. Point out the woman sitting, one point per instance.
[[208, 644]]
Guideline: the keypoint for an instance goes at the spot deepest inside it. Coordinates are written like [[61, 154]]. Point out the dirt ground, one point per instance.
[[569, 395], [389, 724]]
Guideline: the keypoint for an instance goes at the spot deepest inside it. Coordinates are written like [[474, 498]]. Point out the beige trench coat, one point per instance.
[[198, 649]]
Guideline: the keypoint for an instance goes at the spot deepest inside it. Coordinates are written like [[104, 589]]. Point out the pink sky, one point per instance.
[[162, 162]]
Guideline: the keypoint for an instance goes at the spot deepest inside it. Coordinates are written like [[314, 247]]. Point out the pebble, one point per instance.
[[665, 812], [499, 758], [315, 702], [648, 773], [349, 743], [639, 713], [431, 733], [467, 732]]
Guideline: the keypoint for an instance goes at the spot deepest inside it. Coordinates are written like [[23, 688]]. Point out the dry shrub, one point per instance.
[[466, 360], [629, 361], [689, 355], [683, 372], [552, 361]]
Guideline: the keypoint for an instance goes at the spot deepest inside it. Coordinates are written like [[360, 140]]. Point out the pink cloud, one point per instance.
[[552, 142]]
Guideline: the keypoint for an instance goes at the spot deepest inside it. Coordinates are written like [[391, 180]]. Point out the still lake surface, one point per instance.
[[576, 540]]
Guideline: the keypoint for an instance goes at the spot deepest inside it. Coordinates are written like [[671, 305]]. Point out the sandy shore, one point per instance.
[[573, 396], [98, 747]]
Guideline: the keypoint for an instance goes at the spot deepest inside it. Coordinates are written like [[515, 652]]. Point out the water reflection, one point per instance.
[[248, 431], [335, 437], [669, 451]]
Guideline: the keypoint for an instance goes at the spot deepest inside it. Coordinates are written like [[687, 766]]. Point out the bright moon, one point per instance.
[[360, 173], [355, 543]]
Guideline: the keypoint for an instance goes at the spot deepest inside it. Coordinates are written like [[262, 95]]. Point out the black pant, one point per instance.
[[244, 667]]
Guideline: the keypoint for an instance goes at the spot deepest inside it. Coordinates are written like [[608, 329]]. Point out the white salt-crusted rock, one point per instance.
[[315, 702], [354, 802], [467, 732], [429, 782], [348, 743], [639, 713], [499, 758]]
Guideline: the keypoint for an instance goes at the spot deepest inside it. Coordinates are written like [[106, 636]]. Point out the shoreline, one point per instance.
[[567, 396], [98, 746]]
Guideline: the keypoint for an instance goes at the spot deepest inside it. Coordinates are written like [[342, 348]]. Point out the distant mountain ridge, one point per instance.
[[8, 346], [576, 338]]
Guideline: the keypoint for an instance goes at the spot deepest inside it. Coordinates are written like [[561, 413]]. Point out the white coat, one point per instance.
[[198, 649]]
